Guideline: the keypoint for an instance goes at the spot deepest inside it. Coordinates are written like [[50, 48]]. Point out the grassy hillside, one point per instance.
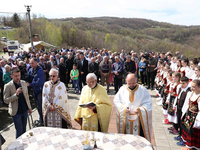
[[11, 33], [114, 34]]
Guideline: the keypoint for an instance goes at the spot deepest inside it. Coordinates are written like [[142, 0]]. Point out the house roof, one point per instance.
[[27, 46]]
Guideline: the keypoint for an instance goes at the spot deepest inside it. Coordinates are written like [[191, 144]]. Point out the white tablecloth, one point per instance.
[[54, 138]]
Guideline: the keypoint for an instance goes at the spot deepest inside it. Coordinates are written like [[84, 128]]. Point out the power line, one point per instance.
[[13, 12]]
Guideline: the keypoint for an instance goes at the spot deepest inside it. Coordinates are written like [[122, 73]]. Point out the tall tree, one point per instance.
[[72, 36], [16, 20]]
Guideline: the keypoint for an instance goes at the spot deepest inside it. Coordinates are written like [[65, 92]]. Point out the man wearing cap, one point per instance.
[[151, 65]]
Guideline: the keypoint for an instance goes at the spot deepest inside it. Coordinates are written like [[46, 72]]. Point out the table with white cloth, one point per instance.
[[55, 138]]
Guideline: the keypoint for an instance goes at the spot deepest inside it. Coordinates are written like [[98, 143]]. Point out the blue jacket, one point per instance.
[[36, 78], [142, 66], [120, 67]]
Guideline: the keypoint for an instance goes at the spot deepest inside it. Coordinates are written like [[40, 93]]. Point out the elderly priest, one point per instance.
[[55, 107], [134, 109], [95, 116]]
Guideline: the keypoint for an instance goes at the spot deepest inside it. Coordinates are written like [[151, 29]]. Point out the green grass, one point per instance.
[[11, 33]]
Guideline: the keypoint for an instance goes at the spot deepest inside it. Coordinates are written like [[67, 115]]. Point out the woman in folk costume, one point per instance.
[[173, 65], [185, 68], [163, 84], [171, 97], [179, 66], [165, 94], [193, 65], [191, 118], [56, 112], [134, 109], [159, 78], [196, 74]]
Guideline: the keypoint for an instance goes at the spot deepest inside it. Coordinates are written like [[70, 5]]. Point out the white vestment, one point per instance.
[[137, 98], [56, 95]]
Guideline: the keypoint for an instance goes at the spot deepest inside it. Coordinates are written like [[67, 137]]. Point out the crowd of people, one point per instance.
[[49, 74], [178, 90]]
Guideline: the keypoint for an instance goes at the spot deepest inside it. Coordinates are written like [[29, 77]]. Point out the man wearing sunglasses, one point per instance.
[[55, 107]]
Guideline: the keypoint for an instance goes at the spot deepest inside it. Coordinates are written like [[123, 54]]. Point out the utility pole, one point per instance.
[[28, 7], [1, 27]]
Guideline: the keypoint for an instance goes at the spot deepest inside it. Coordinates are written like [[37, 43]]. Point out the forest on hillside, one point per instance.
[[111, 33]]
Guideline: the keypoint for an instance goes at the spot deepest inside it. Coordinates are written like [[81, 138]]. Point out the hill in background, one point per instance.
[[115, 34]]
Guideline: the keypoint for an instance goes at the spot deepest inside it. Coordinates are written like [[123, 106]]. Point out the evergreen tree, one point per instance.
[[16, 20]]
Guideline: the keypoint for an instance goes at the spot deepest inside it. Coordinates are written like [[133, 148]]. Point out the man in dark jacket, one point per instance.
[[69, 66], [44, 66], [151, 65], [98, 61], [50, 63], [83, 63], [129, 66], [77, 61], [36, 80], [1, 85], [93, 67], [62, 70], [117, 70]]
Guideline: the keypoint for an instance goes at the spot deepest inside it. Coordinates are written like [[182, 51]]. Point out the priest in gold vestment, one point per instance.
[[134, 109], [97, 117], [56, 112]]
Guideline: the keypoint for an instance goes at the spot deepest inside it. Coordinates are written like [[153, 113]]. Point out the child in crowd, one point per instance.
[[159, 79], [191, 118], [183, 89], [163, 83], [170, 100], [74, 76], [165, 94]]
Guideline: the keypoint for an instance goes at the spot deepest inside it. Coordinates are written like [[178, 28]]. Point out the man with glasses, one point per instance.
[[134, 108], [97, 116], [56, 112]]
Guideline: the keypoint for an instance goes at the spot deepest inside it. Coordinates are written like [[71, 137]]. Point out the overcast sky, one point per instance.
[[182, 12]]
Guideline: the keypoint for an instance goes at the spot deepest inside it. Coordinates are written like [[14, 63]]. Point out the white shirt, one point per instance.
[[192, 97]]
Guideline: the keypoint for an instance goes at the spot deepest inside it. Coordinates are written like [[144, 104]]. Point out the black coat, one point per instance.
[[1, 77], [62, 72], [129, 67], [77, 61], [69, 65], [23, 72], [93, 68], [84, 67]]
